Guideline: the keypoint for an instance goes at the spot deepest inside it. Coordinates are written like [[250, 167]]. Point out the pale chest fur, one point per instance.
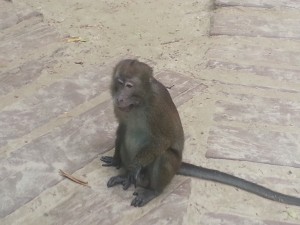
[[137, 135]]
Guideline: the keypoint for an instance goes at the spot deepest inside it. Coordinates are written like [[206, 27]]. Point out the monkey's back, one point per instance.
[[167, 121]]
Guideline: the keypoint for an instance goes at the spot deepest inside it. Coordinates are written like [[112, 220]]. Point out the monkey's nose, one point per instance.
[[120, 100]]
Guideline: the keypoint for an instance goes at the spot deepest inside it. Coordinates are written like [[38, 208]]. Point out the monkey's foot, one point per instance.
[[143, 196], [110, 161], [120, 179]]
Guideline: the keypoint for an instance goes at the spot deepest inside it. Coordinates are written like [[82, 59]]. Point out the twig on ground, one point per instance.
[[72, 178]]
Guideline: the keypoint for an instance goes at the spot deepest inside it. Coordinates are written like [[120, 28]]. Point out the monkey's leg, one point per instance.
[[143, 196], [160, 173], [120, 179]]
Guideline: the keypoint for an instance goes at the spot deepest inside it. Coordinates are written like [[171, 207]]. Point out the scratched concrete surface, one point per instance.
[[232, 68]]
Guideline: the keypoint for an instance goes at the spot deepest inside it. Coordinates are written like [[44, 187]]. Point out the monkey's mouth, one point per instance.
[[127, 108]]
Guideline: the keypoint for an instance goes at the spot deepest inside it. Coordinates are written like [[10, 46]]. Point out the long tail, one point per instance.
[[187, 169]]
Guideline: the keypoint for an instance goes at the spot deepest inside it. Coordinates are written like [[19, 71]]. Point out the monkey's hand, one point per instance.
[[125, 181], [111, 161], [134, 173]]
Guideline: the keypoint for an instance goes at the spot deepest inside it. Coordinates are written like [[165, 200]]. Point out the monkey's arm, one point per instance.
[[146, 156], [116, 159], [151, 151]]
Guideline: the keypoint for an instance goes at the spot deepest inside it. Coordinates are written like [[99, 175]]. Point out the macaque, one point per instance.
[[150, 139]]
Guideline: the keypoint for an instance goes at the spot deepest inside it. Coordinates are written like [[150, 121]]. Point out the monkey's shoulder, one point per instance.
[[162, 99], [159, 89]]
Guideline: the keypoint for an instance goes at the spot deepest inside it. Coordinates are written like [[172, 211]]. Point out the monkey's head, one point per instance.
[[131, 84]]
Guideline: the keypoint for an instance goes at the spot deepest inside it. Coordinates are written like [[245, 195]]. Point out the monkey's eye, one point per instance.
[[120, 81], [129, 85]]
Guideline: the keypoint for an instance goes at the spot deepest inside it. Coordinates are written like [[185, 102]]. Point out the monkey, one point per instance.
[[150, 139]]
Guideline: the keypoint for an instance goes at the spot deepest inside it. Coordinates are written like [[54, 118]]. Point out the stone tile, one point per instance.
[[23, 74], [27, 171], [177, 202], [278, 74], [12, 14], [229, 219], [254, 145], [91, 207], [255, 23], [259, 3], [252, 54], [253, 109], [97, 208], [26, 38], [22, 117]]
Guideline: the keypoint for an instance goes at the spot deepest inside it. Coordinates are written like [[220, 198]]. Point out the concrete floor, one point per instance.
[[235, 76]]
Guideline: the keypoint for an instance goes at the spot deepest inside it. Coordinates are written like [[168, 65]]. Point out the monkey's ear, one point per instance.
[[150, 74], [149, 70]]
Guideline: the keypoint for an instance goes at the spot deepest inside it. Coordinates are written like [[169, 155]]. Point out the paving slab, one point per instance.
[[96, 208], [254, 145], [22, 117], [23, 32], [176, 201], [27, 171], [24, 74], [228, 219], [12, 14], [22, 42], [254, 109], [255, 23], [253, 54], [278, 74], [259, 3]]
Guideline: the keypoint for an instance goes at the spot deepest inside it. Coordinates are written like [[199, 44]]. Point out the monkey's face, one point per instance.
[[127, 95], [131, 85]]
